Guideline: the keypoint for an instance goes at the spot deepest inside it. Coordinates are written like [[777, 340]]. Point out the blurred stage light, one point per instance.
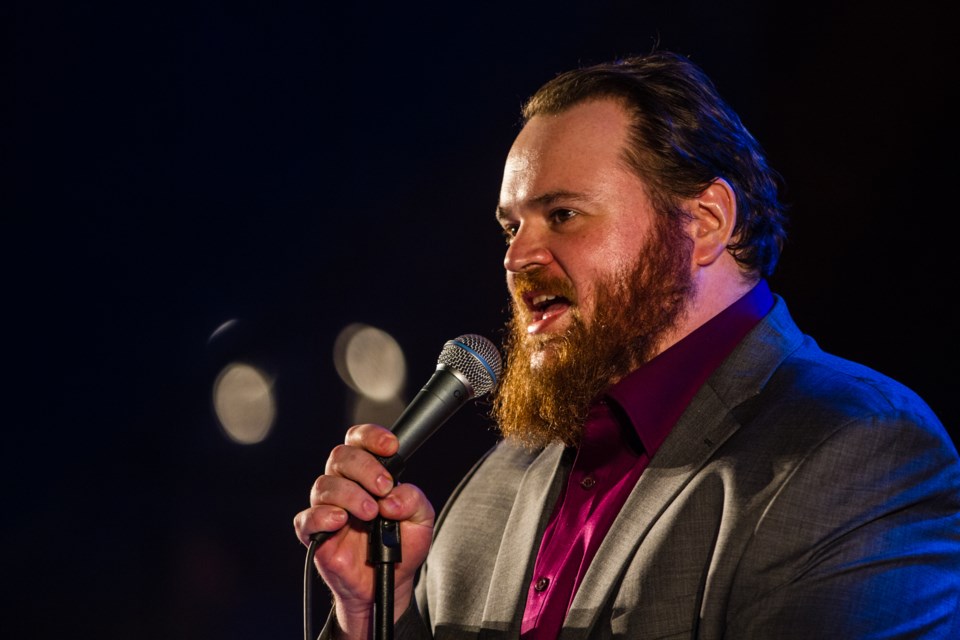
[[224, 328], [370, 362], [244, 404]]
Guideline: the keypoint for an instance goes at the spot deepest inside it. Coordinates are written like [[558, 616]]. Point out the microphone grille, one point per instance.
[[474, 357]]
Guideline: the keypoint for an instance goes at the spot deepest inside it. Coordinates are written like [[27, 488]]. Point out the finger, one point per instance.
[[317, 519], [378, 440], [343, 494], [407, 503], [360, 466]]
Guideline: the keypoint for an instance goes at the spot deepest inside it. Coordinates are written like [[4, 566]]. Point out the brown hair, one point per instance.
[[684, 136]]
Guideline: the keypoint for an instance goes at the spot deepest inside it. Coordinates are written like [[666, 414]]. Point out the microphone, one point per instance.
[[469, 367]]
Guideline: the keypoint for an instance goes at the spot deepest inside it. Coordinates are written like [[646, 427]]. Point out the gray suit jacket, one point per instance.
[[799, 496]]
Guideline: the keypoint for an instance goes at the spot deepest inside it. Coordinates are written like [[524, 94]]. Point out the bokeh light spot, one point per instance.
[[244, 404], [370, 361]]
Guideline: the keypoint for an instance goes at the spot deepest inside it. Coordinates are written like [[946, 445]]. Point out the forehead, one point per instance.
[[578, 149]]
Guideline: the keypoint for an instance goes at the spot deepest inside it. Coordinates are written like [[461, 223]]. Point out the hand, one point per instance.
[[354, 489]]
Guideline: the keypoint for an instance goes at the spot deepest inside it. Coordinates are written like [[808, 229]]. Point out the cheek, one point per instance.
[[600, 262], [625, 248], [612, 244], [601, 265]]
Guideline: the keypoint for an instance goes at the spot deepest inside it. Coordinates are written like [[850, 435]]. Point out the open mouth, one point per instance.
[[543, 307]]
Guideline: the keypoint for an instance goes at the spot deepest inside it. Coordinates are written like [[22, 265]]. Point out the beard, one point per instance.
[[551, 381]]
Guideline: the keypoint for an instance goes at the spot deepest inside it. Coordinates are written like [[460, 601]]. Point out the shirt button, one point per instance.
[[541, 584], [588, 482]]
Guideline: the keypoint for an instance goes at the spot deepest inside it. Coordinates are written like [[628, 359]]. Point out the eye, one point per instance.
[[562, 215], [509, 232]]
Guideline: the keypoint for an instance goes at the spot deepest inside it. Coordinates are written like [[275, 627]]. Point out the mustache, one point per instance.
[[526, 282]]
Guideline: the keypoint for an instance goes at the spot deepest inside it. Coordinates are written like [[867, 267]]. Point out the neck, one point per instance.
[[712, 295]]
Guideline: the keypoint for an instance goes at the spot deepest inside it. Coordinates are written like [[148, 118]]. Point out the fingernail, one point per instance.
[[339, 516], [369, 506], [384, 483]]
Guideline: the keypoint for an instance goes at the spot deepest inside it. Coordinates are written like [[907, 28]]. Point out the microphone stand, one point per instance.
[[384, 553], [467, 365]]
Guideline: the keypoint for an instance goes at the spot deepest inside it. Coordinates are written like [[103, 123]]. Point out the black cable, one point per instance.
[[315, 540], [385, 553]]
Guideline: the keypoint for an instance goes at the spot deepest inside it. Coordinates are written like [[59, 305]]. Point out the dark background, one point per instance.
[[300, 167]]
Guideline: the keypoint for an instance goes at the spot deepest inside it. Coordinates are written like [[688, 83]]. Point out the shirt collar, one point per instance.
[[654, 396]]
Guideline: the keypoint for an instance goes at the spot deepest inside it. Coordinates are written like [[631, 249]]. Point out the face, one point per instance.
[[572, 211], [597, 276]]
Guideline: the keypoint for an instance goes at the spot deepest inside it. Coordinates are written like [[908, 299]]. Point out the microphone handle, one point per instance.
[[443, 394]]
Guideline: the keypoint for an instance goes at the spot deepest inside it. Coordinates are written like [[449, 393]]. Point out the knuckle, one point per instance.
[[339, 563], [323, 496], [355, 433], [298, 525], [319, 486], [326, 491], [303, 525], [336, 457]]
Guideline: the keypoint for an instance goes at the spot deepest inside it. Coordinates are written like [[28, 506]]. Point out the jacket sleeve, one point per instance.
[[863, 541], [411, 625]]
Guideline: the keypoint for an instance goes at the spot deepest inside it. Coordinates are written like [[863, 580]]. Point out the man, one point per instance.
[[678, 460]]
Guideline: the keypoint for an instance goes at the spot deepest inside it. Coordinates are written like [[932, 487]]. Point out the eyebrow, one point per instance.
[[546, 199]]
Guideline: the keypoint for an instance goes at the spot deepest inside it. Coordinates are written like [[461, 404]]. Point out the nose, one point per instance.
[[527, 250]]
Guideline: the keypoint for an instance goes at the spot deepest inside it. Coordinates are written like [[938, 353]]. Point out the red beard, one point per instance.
[[635, 308]]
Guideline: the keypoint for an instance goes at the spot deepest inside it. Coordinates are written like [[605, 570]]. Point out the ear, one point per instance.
[[713, 216]]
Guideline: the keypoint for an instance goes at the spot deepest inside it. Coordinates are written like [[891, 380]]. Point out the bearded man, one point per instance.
[[678, 460]]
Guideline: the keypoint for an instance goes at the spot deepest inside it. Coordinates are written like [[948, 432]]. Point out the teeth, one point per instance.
[[541, 299]]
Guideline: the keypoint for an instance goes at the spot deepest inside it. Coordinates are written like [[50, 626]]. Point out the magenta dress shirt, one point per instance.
[[623, 431]]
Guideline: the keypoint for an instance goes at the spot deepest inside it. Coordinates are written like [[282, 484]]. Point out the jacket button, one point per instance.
[[541, 584], [588, 482]]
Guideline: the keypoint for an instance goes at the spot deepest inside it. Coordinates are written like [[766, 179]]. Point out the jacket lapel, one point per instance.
[[686, 450], [706, 424], [503, 609]]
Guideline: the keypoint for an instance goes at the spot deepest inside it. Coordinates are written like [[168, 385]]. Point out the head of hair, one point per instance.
[[683, 137]]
